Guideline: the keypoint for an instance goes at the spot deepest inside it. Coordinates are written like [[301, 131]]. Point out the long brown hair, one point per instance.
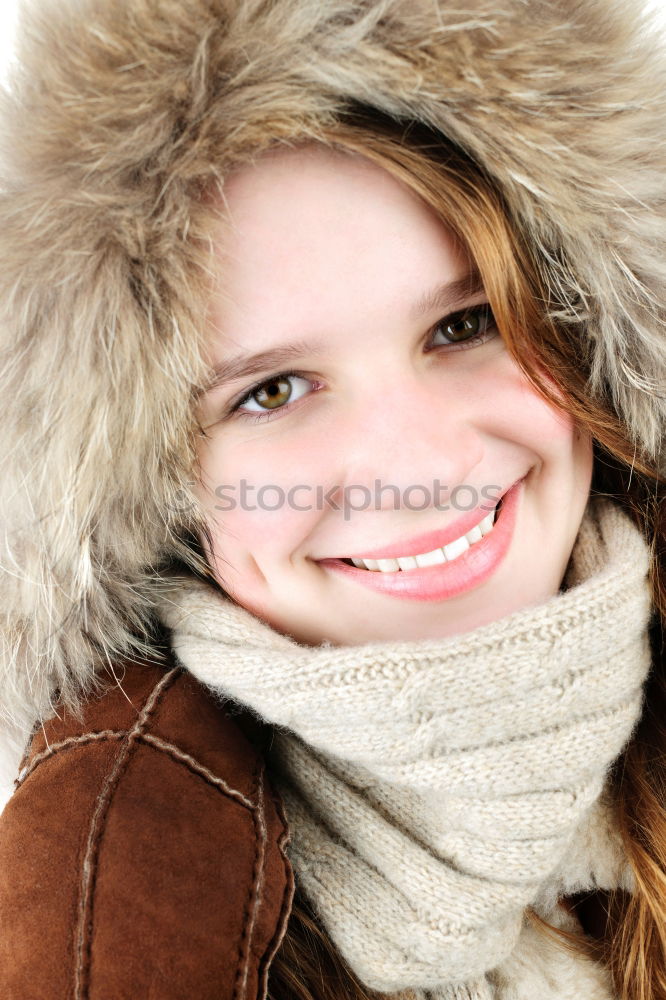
[[632, 942]]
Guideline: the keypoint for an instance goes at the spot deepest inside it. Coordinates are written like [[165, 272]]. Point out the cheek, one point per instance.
[[510, 408], [551, 433], [562, 422], [548, 426], [246, 497], [554, 434]]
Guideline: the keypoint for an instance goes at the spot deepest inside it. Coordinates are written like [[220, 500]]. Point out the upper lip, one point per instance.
[[430, 540]]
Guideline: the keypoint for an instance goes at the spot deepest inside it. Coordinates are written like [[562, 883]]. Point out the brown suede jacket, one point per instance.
[[142, 855]]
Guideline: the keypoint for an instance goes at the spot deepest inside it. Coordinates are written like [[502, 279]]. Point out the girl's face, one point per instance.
[[367, 406]]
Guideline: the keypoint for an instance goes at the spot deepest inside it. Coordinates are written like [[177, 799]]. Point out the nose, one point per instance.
[[407, 450]]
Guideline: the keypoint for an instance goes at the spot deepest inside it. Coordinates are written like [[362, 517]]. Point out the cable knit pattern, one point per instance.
[[434, 789]]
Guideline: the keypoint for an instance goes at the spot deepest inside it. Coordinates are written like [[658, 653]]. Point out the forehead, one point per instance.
[[305, 223], [301, 168]]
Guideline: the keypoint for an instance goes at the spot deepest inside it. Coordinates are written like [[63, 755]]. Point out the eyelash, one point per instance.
[[475, 341]]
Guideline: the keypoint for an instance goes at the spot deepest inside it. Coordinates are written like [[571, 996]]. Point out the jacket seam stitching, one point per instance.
[[26, 752], [196, 767], [287, 903], [178, 755], [89, 868], [26, 767], [70, 741], [255, 896]]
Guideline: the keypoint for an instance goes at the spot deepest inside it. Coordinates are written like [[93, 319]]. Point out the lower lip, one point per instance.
[[438, 583]]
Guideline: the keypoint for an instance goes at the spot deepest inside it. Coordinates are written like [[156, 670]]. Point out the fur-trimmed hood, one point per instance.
[[121, 112]]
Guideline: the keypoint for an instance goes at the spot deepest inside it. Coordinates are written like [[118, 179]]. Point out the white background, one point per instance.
[[7, 26]]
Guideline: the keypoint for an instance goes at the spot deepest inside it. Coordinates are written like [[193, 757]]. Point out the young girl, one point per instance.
[[333, 380]]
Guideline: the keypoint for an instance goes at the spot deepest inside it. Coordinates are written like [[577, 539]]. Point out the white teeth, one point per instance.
[[456, 548], [487, 523], [431, 558], [445, 554], [475, 535], [407, 562]]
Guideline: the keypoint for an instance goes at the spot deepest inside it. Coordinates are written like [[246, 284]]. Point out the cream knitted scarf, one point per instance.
[[434, 789]]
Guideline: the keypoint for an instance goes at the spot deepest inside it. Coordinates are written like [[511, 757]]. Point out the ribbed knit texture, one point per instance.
[[434, 789]]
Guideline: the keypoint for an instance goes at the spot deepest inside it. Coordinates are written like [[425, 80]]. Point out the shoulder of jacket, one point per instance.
[[143, 851], [166, 707]]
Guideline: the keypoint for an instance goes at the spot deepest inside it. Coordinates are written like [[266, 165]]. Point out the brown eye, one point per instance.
[[470, 325], [461, 329], [276, 393], [272, 394]]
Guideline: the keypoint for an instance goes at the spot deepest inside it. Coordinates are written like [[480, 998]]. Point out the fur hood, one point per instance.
[[118, 115]]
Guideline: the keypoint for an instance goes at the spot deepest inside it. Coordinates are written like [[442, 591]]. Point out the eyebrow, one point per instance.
[[450, 294], [447, 295]]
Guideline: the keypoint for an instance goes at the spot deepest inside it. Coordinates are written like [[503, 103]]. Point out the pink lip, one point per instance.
[[440, 582], [431, 539]]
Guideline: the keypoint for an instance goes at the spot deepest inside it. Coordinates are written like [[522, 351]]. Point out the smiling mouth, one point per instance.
[[447, 553]]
